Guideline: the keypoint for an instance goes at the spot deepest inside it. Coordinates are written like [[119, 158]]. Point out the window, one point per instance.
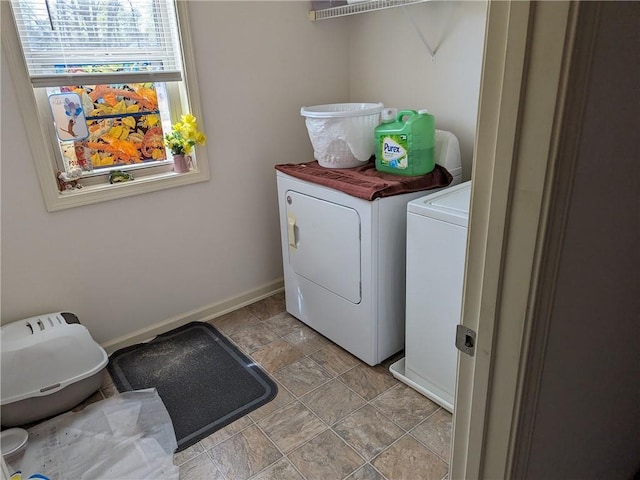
[[103, 81]]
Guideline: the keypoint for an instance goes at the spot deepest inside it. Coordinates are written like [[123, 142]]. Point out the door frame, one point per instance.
[[520, 190]]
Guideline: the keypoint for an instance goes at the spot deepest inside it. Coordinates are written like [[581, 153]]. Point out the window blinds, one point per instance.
[[88, 42]]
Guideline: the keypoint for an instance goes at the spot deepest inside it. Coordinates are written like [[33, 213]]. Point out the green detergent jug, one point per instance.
[[405, 143]]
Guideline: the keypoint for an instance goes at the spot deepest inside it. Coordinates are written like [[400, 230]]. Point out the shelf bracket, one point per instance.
[[426, 43], [370, 6]]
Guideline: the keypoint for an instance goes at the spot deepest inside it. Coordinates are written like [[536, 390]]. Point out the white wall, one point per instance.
[[130, 263], [389, 63]]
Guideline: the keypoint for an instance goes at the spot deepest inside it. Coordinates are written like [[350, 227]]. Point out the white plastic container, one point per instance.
[[342, 134], [48, 366]]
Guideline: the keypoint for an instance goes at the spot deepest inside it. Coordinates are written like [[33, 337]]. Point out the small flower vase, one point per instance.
[[181, 163]]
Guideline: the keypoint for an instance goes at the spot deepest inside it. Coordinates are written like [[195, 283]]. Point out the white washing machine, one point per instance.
[[436, 246], [344, 260]]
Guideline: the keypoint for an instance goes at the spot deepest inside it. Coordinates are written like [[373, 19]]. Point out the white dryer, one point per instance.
[[344, 260], [436, 246]]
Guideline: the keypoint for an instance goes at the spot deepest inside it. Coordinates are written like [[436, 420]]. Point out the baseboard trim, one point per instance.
[[205, 313]]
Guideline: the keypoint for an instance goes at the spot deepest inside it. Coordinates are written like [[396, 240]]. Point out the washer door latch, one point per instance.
[[466, 340]]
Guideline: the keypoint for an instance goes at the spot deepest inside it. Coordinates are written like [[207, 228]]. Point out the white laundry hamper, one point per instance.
[[50, 363], [342, 134]]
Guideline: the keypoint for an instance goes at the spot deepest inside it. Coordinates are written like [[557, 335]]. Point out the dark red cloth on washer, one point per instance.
[[365, 181]]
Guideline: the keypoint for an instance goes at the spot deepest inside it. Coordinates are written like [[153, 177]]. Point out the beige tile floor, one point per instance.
[[334, 416]]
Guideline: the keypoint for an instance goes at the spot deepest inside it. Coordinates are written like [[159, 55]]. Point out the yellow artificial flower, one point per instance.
[[189, 120], [184, 136]]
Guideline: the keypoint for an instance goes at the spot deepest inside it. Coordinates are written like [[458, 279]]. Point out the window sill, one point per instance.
[[88, 195]]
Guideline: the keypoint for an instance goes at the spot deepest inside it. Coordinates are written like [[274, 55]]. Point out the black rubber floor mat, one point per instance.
[[203, 379]]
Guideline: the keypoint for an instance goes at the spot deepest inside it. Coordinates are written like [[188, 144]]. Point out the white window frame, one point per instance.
[[43, 149]]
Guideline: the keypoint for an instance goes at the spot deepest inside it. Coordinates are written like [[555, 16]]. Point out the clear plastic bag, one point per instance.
[[128, 436]]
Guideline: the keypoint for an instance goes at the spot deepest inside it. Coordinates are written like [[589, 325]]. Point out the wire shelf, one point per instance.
[[359, 7]]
